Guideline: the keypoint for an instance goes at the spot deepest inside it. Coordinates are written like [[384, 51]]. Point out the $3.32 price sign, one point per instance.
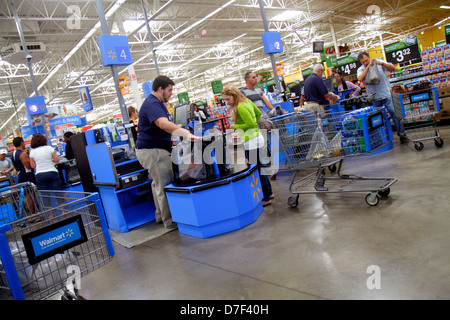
[[400, 53]]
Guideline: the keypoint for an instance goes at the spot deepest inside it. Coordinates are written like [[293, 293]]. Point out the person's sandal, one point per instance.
[[266, 203]]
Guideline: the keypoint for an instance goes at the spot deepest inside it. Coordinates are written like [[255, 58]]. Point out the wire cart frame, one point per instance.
[[422, 106], [82, 245], [312, 140]]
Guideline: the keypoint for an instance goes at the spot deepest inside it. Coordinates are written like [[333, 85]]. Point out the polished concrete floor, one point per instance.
[[332, 246]]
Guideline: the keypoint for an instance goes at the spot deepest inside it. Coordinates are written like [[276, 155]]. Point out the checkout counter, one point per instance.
[[223, 199], [69, 175]]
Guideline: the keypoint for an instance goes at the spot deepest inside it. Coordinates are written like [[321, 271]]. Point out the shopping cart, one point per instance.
[[49, 240], [312, 140], [420, 109]]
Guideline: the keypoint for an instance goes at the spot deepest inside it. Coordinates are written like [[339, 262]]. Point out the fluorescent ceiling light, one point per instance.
[[443, 20], [444, 7], [286, 15]]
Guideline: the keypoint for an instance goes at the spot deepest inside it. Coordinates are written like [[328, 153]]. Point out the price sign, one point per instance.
[[348, 65], [114, 50], [402, 53]]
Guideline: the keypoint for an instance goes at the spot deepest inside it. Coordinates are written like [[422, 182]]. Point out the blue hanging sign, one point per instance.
[[147, 88], [272, 42], [36, 105], [85, 97], [73, 120], [114, 50]]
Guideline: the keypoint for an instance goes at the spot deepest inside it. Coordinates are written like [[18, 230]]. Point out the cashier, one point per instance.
[[154, 144], [316, 92]]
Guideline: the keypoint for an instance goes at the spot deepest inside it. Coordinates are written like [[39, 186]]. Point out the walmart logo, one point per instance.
[[51, 241], [254, 185], [69, 232], [111, 54]]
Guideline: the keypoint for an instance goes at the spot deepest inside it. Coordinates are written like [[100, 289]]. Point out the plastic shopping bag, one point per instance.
[[335, 145], [320, 146], [372, 77], [188, 168]]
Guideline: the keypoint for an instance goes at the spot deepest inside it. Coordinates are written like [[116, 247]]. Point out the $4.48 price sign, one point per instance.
[[348, 65]]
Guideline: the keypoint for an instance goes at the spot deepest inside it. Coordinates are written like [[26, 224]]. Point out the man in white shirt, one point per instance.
[[5, 164], [382, 91]]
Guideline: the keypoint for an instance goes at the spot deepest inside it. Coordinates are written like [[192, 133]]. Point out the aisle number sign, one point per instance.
[[36, 105], [348, 65], [272, 42], [114, 50], [183, 97]]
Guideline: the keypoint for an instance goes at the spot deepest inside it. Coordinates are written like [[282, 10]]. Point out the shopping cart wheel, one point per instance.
[[332, 167], [418, 146], [438, 142], [293, 201], [372, 199], [384, 193]]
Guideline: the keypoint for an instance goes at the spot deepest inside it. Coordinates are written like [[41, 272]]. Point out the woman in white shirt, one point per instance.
[[42, 158]]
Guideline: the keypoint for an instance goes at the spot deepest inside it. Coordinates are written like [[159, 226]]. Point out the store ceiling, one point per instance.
[[196, 42]]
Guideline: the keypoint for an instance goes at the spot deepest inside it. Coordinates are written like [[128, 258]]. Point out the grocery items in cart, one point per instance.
[[361, 132]]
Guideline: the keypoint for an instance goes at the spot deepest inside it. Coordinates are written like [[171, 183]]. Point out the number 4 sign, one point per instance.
[[114, 50]]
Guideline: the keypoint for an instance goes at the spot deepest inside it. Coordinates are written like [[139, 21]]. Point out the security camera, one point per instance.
[[29, 57]]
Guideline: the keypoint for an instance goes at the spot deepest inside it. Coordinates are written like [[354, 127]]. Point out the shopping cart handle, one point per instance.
[[5, 228], [93, 197], [4, 189]]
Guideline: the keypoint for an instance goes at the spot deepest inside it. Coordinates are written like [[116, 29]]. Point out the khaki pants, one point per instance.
[[158, 162], [313, 106]]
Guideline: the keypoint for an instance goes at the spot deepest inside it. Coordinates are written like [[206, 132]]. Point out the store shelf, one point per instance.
[[416, 75]]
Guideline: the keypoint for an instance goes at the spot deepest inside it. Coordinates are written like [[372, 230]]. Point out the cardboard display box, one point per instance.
[[444, 92], [443, 115], [444, 103]]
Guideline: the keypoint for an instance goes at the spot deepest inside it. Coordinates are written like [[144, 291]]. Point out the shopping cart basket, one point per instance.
[[313, 140], [49, 240], [420, 109]]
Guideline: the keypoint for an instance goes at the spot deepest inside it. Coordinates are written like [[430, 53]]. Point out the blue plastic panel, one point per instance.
[[102, 164]]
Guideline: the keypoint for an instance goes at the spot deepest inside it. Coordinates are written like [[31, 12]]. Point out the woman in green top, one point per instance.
[[246, 115]]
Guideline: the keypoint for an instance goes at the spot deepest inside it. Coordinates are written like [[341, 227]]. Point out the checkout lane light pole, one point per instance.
[[272, 55], [115, 74], [149, 31], [25, 49]]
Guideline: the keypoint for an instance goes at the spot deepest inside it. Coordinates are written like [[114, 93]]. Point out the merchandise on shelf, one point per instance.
[[218, 112], [437, 60]]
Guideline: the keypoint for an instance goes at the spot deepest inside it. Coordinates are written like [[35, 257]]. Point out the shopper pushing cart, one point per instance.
[[312, 140], [48, 252]]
